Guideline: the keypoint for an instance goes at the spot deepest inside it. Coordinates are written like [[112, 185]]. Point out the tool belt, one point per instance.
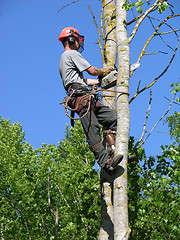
[[80, 97]]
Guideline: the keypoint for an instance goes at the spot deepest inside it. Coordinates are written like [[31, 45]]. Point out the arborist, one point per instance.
[[86, 105]]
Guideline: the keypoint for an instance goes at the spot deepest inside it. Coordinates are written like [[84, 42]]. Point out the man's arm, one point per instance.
[[101, 72], [94, 71], [91, 82]]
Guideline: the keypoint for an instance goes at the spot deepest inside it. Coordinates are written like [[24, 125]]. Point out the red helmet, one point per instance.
[[66, 32], [70, 31]]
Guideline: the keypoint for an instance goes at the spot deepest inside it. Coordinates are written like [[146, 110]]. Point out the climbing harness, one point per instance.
[[78, 102], [78, 98]]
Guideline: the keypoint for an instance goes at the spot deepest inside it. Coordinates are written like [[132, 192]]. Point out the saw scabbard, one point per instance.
[[109, 80]]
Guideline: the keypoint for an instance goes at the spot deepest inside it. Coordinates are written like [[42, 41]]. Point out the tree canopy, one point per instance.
[[73, 187]]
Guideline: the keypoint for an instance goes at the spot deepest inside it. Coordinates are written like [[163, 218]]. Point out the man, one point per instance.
[[71, 68]]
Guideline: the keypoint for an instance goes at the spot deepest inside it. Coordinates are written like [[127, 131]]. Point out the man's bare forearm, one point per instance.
[[91, 82], [94, 71]]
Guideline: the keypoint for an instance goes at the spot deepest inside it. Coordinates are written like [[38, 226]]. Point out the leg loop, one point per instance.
[[93, 147]]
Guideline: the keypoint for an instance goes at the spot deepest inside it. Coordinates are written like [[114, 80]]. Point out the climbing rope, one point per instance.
[[66, 100], [88, 97]]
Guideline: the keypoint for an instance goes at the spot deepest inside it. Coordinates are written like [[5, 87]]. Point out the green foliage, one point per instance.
[[154, 195], [154, 199], [73, 182], [138, 5], [153, 187], [162, 5], [127, 6], [174, 120], [174, 124], [176, 90]]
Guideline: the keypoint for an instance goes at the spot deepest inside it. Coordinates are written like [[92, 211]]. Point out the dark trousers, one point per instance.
[[100, 115]]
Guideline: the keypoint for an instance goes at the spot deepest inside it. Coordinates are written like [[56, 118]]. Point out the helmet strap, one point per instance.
[[71, 38]]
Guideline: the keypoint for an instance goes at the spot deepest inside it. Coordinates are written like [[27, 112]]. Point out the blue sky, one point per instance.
[[31, 88]]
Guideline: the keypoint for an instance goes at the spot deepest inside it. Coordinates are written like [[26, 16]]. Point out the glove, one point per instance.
[[104, 72]]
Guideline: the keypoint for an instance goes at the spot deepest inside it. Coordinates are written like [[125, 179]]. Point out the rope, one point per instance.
[[89, 95], [65, 103], [107, 90]]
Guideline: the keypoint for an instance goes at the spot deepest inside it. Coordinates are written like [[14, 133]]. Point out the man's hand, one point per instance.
[[104, 72]]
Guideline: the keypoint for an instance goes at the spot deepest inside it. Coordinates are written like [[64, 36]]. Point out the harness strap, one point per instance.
[[93, 147], [82, 99], [72, 118], [77, 104]]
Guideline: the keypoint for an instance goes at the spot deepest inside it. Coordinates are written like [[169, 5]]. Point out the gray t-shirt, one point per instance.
[[71, 66]]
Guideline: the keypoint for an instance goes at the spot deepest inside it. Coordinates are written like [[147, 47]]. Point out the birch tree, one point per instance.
[[114, 202], [114, 43], [121, 229]]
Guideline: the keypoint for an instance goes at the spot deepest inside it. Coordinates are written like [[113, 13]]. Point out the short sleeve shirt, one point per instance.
[[71, 66]]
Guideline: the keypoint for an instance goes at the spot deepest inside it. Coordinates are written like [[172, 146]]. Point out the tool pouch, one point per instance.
[[82, 99], [79, 102]]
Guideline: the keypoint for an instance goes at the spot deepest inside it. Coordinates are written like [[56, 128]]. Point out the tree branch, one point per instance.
[[142, 17], [49, 200], [54, 213], [68, 5], [64, 198], [168, 65], [144, 125], [98, 41], [157, 122], [155, 53], [170, 101], [150, 19], [20, 213], [46, 231], [135, 19]]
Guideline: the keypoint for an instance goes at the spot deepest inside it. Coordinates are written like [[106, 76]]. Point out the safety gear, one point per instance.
[[72, 34], [109, 80], [66, 32], [112, 163], [104, 72], [110, 138]]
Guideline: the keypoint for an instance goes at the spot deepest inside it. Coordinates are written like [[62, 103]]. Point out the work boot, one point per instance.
[[101, 155], [112, 163]]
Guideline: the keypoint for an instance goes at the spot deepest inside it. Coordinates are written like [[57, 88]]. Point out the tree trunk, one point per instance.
[[114, 207], [120, 199], [109, 60]]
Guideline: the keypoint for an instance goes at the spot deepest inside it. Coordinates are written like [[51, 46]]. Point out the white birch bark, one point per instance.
[[121, 228], [109, 60], [110, 50]]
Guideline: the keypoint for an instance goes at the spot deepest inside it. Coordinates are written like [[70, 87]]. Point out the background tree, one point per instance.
[[153, 205], [73, 187]]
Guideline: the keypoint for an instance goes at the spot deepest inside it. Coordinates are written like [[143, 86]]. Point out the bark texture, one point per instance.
[[114, 204], [121, 227], [109, 60]]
